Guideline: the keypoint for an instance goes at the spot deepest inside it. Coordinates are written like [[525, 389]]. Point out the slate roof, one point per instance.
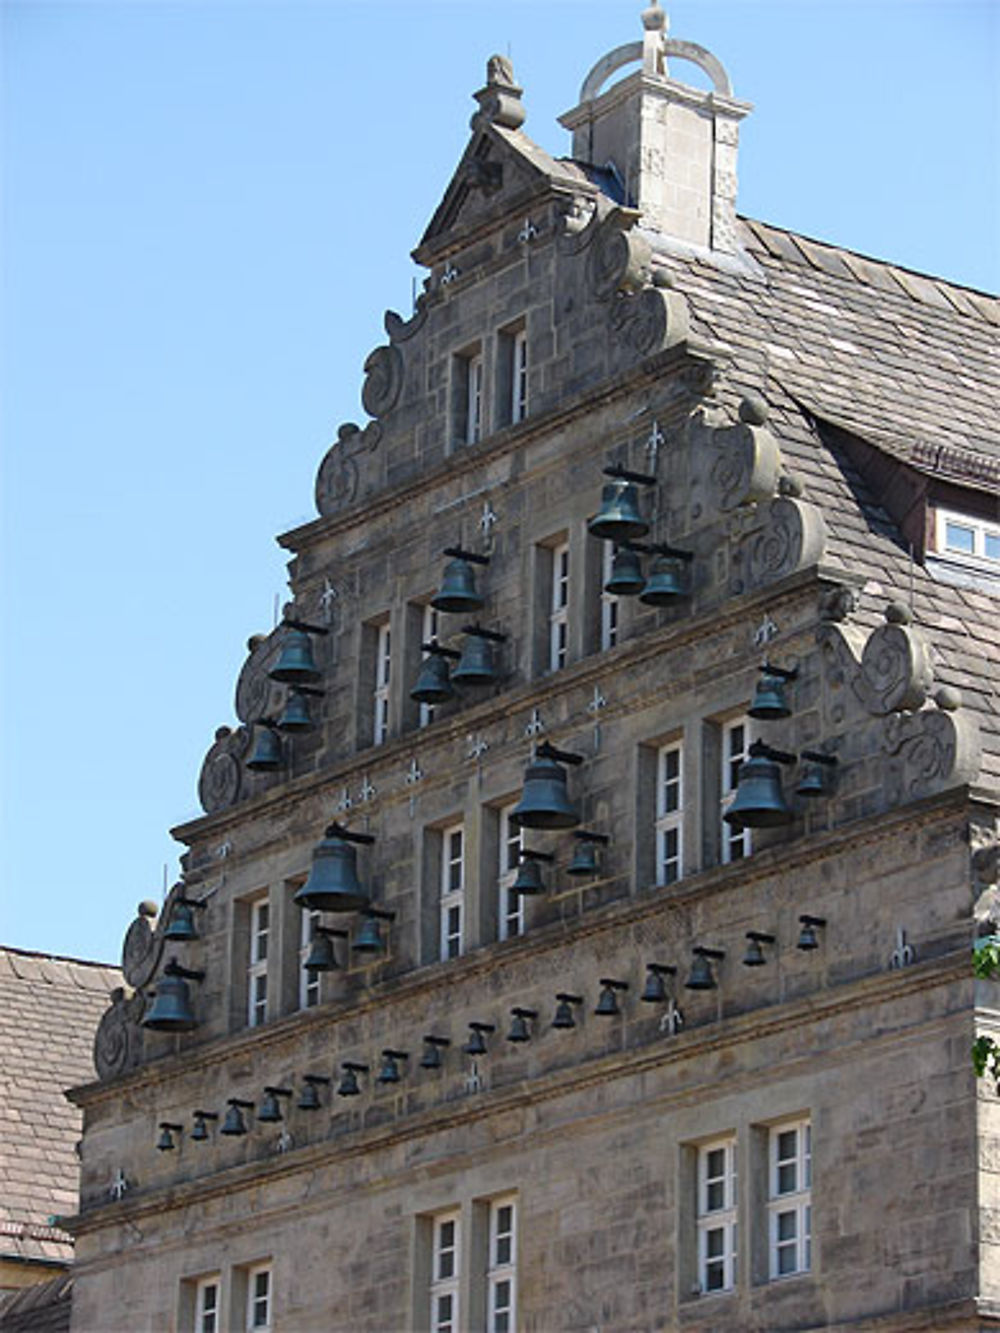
[[49, 1011], [43, 1308]]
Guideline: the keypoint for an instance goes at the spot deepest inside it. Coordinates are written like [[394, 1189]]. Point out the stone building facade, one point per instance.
[[706, 1073]]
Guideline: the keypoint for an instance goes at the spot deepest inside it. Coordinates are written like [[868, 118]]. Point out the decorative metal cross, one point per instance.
[[327, 599], [478, 745], [536, 725], [225, 850], [119, 1186], [904, 954], [473, 1082], [672, 1021], [487, 519], [765, 632], [367, 792], [528, 232], [655, 440], [284, 1142], [345, 802], [596, 704], [413, 775], [449, 275]]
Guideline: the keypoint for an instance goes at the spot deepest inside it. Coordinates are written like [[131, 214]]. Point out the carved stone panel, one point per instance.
[[896, 670], [792, 536], [383, 380], [118, 1040], [929, 752], [339, 476]]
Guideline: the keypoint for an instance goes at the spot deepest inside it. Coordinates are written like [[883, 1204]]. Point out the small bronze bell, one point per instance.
[[270, 1107], [655, 989], [434, 681], [755, 956], [181, 927], [564, 1010], [458, 588], [295, 664], [389, 1073], [171, 1008], [808, 939], [584, 860], [476, 664], [199, 1134], [520, 1028], [369, 937], [348, 1085], [476, 1045], [322, 957], [817, 774], [769, 701], [309, 1096], [234, 1125], [165, 1143], [666, 583], [627, 578], [759, 801], [607, 1003], [295, 717], [701, 976], [618, 518], [433, 1047], [528, 880], [266, 757]]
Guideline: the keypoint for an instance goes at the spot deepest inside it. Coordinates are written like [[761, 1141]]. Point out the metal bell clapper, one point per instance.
[[759, 801], [389, 1073], [818, 774], [269, 1112], [333, 884], [755, 956], [476, 1045], [655, 989], [476, 665], [432, 1057], [618, 518], [458, 587], [295, 664], [180, 928], [607, 1003], [434, 681], [171, 1008], [627, 578], [165, 1143], [267, 754], [200, 1134], [528, 880], [544, 802], [520, 1028], [769, 701], [701, 976], [235, 1125], [309, 1099], [565, 1001], [322, 957], [584, 862], [369, 938]]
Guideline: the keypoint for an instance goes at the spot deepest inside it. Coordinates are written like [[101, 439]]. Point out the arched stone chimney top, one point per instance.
[[674, 146]]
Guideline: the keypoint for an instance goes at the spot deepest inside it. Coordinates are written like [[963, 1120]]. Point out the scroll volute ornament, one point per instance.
[[896, 672], [618, 259]]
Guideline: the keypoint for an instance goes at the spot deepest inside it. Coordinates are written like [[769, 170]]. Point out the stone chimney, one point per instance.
[[672, 146]]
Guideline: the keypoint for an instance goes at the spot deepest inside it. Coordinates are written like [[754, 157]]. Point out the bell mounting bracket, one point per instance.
[[305, 626], [436, 649], [336, 830], [268, 722], [816, 757], [783, 673], [658, 548], [378, 914], [315, 1078], [460, 553], [395, 1055], [483, 1027], [662, 969], [480, 633], [183, 900], [169, 1124], [441, 1042], [238, 1101], [761, 750], [205, 1115], [807, 920], [761, 936], [564, 997], [312, 690], [548, 751], [586, 835], [354, 1066], [174, 969], [526, 854], [704, 952], [609, 983], [330, 931], [623, 474], [520, 1012], [278, 1092]]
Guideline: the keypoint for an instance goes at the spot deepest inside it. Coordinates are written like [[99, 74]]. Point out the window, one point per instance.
[[383, 666], [501, 1272], [308, 981], [968, 537], [716, 1214], [669, 813], [510, 905], [609, 602], [258, 1298], [735, 746], [474, 398], [260, 915], [206, 1305], [790, 1198], [519, 376], [559, 607], [445, 1265], [452, 890], [429, 632]]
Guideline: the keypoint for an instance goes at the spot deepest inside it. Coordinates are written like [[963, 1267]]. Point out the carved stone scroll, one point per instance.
[[619, 260], [896, 671], [221, 781], [254, 687], [650, 321], [793, 536], [929, 752], [383, 380], [339, 475], [118, 1040], [142, 947]]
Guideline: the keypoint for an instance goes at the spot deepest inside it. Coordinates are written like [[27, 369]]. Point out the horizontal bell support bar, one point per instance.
[[396, 1055], [278, 1092], [354, 1066], [547, 751], [439, 651], [478, 632], [238, 1101], [761, 750], [565, 997], [526, 854], [459, 553], [174, 969], [806, 920], [336, 830], [784, 673], [761, 937], [623, 474], [269, 722], [586, 835], [524, 1013], [305, 626], [330, 931], [205, 1115], [316, 1078], [437, 1041], [183, 900], [662, 969], [483, 1027], [703, 952], [609, 983], [378, 914], [169, 1124], [313, 691], [815, 757], [657, 548]]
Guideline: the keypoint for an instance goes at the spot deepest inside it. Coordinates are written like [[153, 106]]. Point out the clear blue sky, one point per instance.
[[206, 210]]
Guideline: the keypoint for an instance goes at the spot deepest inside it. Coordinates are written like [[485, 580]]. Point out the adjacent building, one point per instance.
[[577, 935]]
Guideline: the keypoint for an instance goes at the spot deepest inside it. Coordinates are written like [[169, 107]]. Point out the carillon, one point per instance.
[[333, 884]]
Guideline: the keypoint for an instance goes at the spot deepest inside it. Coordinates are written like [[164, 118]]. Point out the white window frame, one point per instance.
[[383, 675], [257, 986], [474, 370], [308, 981], [501, 1269], [985, 537], [429, 631], [510, 906], [259, 1302], [519, 375], [452, 918], [670, 812], [735, 748], [559, 606], [716, 1215], [206, 1314], [446, 1268], [609, 600], [789, 1199]]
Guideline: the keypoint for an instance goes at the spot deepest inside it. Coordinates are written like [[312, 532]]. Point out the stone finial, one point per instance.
[[654, 19], [500, 100], [500, 72]]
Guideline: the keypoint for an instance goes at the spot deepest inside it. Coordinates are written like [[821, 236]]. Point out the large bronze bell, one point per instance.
[[627, 578], [769, 702], [266, 755], [296, 665], [759, 801], [458, 588], [618, 519], [295, 717], [333, 884], [434, 682], [545, 801], [171, 1008], [476, 664], [666, 583]]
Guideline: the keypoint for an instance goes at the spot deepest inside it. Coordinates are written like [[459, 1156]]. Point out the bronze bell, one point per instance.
[[348, 1085], [544, 801], [369, 937], [200, 1134], [666, 583], [627, 578], [528, 879], [584, 860], [701, 976], [234, 1125], [171, 1008], [389, 1073], [432, 1057], [476, 664], [165, 1143], [607, 1003], [769, 702], [266, 755], [333, 884], [817, 774], [309, 1096], [181, 926], [520, 1028], [655, 989], [269, 1112], [296, 665], [618, 518], [476, 1045], [322, 957], [295, 717], [759, 801], [458, 588], [564, 1010], [434, 681]]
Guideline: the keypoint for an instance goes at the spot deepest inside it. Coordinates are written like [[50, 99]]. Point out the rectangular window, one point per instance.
[[716, 1214], [260, 918], [501, 1272], [510, 905], [258, 1298], [609, 602], [383, 668], [474, 398], [429, 632], [445, 1266], [452, 890], [559, 607], [308, 981], [790, 1198], [669, 813], [735, 748], [519, 376], [206, 1305], [968, 537]]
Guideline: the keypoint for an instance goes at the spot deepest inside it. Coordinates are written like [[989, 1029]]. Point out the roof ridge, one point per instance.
[[57, 957]]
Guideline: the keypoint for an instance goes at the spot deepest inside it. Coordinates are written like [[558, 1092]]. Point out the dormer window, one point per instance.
[[966, 549]]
